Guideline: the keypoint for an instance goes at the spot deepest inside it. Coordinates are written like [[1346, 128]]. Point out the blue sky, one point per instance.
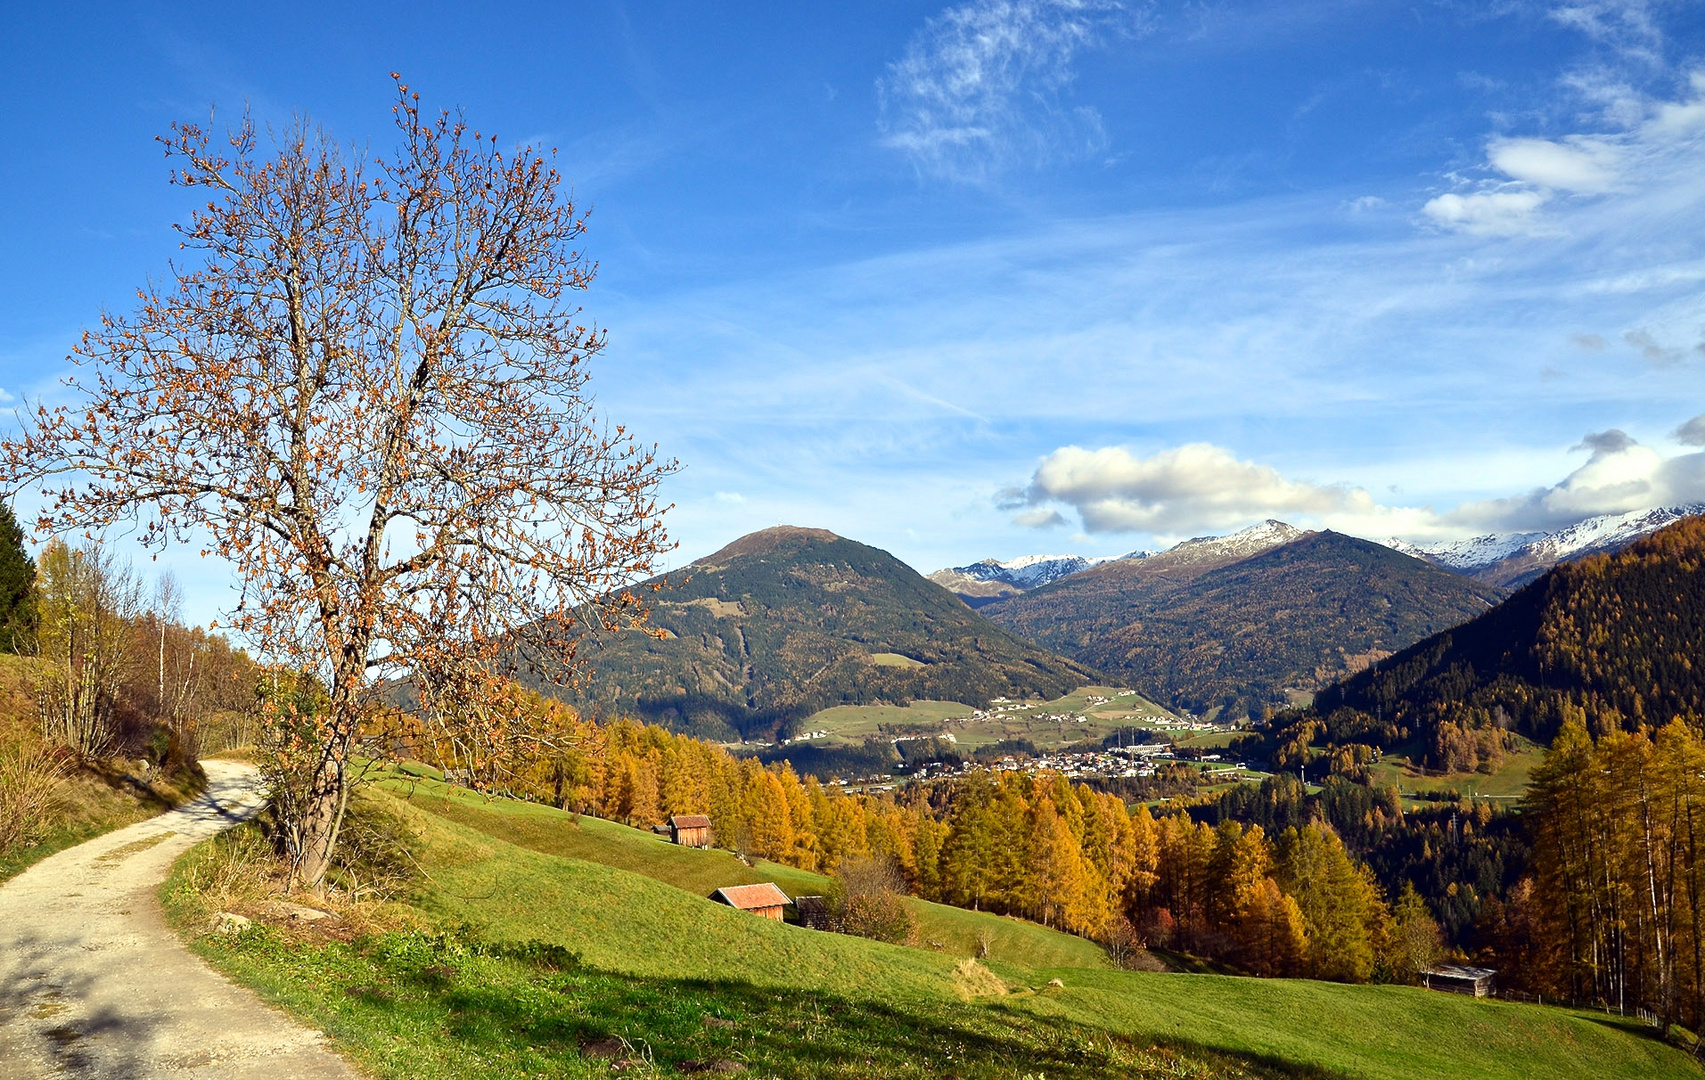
[[998, 278]]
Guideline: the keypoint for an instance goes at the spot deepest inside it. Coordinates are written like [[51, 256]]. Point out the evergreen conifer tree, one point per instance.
[[17, 586]]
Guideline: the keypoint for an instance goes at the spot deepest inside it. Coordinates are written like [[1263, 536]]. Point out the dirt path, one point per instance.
[[93, 984]]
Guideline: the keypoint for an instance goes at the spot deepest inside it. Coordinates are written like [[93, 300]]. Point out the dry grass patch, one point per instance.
[[239, 873], [973, 980], [32, 788]]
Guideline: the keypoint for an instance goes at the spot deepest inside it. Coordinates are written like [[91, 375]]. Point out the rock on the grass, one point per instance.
[[301, 912], [229, 922]]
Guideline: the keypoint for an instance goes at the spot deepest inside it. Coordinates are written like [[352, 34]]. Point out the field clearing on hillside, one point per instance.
[[1207, 739], [894, 659], [1091, 712], [668, 981], [851, 725], [1507, 784]]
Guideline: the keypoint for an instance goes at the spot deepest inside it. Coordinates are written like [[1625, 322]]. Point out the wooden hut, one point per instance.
[[1470, 981], [813, 912], [765, 900], [690, 830]]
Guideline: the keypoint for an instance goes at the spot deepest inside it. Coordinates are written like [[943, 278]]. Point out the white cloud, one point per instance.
[[1626, 25], [1675, 118], [1039, 517], [1488, 213], [1621, 475], [978, 87], [1581, 164], [1200, 487], [1192, 487], [1648, 145], [731, 498]]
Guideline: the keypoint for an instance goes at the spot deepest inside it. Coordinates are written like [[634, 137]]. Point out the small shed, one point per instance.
[[690, 830], [1470, 981], [813, 912], [765, 900]]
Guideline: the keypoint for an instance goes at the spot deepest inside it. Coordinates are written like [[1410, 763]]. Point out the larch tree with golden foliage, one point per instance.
[[369, 395]]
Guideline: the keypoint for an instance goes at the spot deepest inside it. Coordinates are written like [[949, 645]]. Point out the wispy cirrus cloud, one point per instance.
[[980, 86], [1625, 25], [1640, 134]]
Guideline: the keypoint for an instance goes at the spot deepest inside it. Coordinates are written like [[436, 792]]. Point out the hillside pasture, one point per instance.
[[545, 829], [562, 966], [1507, 783]]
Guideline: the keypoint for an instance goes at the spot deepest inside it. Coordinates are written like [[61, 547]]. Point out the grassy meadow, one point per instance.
[[1090, 712], [535, 944], [1507, 783]]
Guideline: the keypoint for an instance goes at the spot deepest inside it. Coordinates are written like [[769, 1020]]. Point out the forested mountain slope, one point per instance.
[[1068, 614], [1241, 632], [1619, 638], [787, 621]]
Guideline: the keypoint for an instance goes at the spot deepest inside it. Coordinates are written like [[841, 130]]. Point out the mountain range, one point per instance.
[[1510, 560], [787, 621], [1234, 625], [988, 580], [1506, 560]]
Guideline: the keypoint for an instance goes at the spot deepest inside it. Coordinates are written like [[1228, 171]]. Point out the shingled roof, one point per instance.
[[690, 821], [749, 897]]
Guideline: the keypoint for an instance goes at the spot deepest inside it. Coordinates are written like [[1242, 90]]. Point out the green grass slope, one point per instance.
[[785, 622], [551, 831], [671, 984]]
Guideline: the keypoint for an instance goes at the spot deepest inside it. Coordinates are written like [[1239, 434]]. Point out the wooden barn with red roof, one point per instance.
[[766, 900]]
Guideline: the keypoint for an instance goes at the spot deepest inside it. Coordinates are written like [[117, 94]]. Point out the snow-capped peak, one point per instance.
[[1606, 532], [1031, 571], [1247, 542], [1470, 554], [1609, 531], [1026, 571]]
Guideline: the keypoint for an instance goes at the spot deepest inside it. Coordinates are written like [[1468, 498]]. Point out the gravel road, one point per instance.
[[93, 984]]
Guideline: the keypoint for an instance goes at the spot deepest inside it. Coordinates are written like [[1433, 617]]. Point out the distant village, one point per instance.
[[1135, 761]]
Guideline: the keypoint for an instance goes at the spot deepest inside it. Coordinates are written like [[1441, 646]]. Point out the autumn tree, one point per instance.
[[1342, 912], [1414, 945], [368, 392], [87, 603]]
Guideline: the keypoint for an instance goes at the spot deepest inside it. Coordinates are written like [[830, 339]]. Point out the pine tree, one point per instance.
[[17, 587]]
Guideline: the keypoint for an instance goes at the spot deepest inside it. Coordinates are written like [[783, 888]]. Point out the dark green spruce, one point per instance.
[[17, 587]]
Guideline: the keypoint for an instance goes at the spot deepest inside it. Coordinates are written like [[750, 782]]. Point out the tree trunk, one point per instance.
[[322, 816]]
